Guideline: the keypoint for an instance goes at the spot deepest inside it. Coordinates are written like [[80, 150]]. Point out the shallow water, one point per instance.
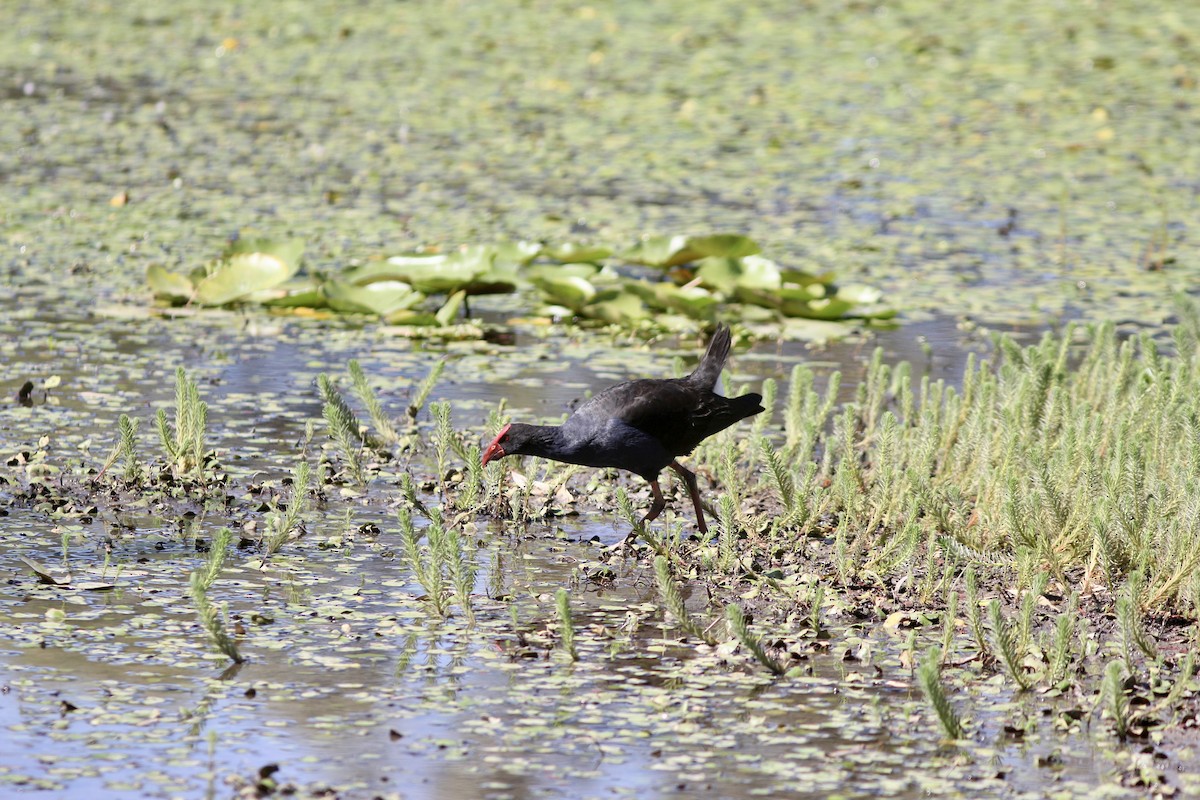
[[350, 683], [1008, 165]]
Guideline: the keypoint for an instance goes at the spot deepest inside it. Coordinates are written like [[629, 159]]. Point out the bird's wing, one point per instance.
[[669, 410]]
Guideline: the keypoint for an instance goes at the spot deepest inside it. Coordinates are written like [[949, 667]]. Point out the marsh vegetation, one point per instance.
[[275, 274]]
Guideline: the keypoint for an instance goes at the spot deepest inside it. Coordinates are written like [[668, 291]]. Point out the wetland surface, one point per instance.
[[1001, 167]]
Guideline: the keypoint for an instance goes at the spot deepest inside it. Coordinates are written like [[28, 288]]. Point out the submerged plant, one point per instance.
[[929, 675], [1005, 644], [183, 443], [741, 630], [281, 524], [1117, 703], [383, 424], [425, 388], [566, 626], [344, 428], [201, 581], [672, 598]]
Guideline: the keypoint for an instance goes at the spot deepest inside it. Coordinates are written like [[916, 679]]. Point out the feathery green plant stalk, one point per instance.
[[815, 601], [460, 556], [950, 621], [218, 549], [344, 428], [1117, 702], [566, 627], [741, 631], [184, 444], [1182, 679], [127, 447], [1005, 646], [211, 620], [1028, 607], [781, 476], [1064, 637], [281, 524], [672, 598], [362, 388], [201, 581], [929, 675], [727, 551], [1133, 632], [425, 388], [423, 560], [759, 423], [443, 439]]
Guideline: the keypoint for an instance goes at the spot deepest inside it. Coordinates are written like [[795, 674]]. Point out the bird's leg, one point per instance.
[[655, 509], [689, 478]]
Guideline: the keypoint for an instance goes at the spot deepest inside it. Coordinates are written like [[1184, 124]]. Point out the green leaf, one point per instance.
[[310, 297], [288, 251], [515, 253], [243, 274], [554, 271], [171, 285], [446, 314], [569, 290], [724, 245], [568, 252], [617, 306], [381, 297], [671, 251], [693, 301], [476, 269], [729, 275]]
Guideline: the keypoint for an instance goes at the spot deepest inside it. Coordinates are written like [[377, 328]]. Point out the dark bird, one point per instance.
[[641, 426]]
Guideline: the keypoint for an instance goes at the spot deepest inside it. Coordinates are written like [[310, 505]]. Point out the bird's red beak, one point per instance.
[[494, 450]]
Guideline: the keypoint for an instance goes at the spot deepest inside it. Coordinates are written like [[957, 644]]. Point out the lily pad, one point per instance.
[[170, 285], [381, 297], [693, 301], [571, 291], [672, 251], [241, 275], [728, 275], [576, 252]]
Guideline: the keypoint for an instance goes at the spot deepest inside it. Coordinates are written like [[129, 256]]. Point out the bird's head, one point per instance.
[[496, 448], [517, 439]]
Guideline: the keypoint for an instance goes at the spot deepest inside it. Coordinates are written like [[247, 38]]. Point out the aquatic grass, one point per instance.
[[425, 388], [949, 621], [1005, 646], [566, 626], [280, 525], [816, 599], [1180, 685], [1062, 648], [728, 530], [1116, 701], [741, 631], [672, 598], [200, 581], [384, 429], [344, 428], [424, 560], [1029, 604], [445, 565], [183, 443], [929, 676], [125, 450]]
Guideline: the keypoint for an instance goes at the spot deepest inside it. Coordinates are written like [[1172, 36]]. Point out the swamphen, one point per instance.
[[641, 426]]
